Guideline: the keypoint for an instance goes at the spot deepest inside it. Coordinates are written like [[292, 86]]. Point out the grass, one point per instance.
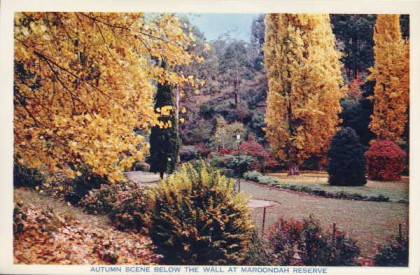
[[368, 222], [317, 184]]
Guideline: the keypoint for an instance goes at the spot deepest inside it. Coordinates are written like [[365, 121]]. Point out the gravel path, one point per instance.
[[367, 222]]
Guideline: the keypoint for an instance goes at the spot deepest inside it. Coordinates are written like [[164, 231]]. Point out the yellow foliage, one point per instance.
[[84, 83], [305, 84], [391, 75]]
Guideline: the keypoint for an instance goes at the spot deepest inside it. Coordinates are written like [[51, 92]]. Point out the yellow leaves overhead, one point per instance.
[[391, 75], [305, 84], [84, 86]]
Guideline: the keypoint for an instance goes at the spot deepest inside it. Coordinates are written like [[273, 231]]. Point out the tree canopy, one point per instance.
[[85, 81], [304, 85]]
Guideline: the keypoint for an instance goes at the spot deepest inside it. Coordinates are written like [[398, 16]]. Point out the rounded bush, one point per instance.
[[346, 164], [305, 243], [132, 210], [385, 161], [393, 253], [198, 219]]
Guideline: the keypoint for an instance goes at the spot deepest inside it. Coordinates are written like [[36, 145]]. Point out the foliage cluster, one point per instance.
[[299, 51], [199, 219], [26, 177], [306, 243], [393, 253], [132, 210], [346, 164], [84, 85], [385, 161], [259, 252], [127, 206]]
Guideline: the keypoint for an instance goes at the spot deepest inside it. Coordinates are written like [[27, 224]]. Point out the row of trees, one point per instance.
[[306, 84]]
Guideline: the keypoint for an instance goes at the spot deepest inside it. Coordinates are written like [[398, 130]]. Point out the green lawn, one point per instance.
[[308, 182]]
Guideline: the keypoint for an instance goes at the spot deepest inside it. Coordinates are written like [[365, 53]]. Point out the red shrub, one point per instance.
[[385, 161], [203, 150], [257, 151], [224, 151], [253, 149]]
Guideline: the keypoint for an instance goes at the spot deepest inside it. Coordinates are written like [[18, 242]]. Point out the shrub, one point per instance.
[[257, 151], [132, 210], [239, 164], [188, 152], [141, 166], [26, 177], [346, 164], [199, 219], [102, 200], [305, 243], [218, 160], [385, 161], [258, 251], [394, 253], [252, 175], [81, 185], [258, 177], [203, 150]]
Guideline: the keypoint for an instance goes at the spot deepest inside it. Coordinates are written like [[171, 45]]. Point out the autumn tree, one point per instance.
[[164, 137], [304, 82], [83, 87], [391, 76]]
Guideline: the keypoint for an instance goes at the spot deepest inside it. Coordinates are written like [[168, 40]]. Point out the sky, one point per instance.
[[215, 24]]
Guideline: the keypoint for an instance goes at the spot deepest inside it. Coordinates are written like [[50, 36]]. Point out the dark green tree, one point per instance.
[[164, 140], [354, 33], [346, 163]]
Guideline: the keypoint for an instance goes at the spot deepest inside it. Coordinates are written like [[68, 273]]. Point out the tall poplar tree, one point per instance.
[[304, 81], [164, 138], [391, 76]]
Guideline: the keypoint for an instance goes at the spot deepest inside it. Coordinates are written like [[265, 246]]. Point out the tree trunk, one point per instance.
[[293, 170], [161, 174]]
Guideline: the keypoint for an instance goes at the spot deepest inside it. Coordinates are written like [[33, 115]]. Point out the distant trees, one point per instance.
[[304, 85], [391, 76], [164, 138], [354, 33]]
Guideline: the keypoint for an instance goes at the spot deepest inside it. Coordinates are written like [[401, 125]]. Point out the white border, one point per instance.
[[8, 7]]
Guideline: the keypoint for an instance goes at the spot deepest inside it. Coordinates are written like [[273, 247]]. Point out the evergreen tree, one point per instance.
[[164, 138], [391, 75], [354, 33], [304, 80], [346, 164]]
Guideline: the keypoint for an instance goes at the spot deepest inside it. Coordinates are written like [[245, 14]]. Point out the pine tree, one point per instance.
[[164, 138], [346, 163], [304, 81], [391, 76]]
